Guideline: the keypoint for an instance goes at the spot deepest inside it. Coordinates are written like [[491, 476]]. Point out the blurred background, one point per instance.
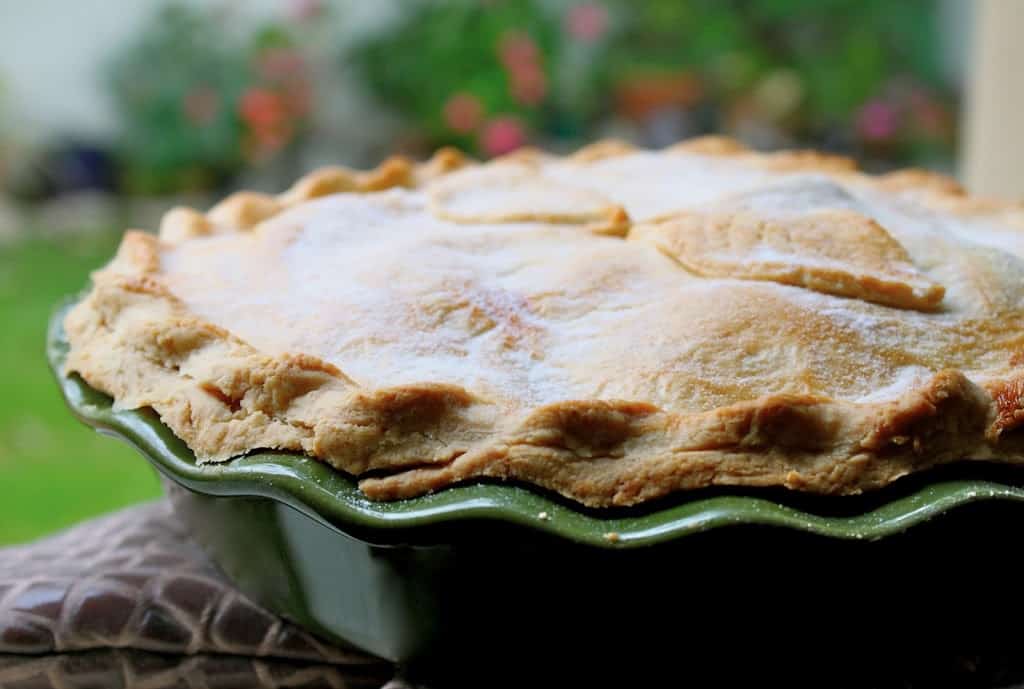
[[113, 110]]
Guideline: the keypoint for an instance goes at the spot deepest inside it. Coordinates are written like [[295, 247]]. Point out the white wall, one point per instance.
[[993, 144], [52, 53]]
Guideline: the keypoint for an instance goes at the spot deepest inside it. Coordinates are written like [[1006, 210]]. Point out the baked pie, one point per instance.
[[614, 325]]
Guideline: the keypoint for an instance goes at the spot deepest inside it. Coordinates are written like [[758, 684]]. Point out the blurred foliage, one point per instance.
[[810, 65], [197, 102], [842, 48], [851, 74], [484, 75], [202, 94]]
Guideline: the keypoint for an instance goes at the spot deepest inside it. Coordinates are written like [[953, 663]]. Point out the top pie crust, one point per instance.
[[614, 325]]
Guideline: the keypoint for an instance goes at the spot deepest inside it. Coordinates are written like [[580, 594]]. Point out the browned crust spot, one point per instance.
[[444, 161], [138, 252], [393, 172], [925, 420], [527, 155], [600, 150], [244, 210], [1008, 396], [709, 145], [181, 223]]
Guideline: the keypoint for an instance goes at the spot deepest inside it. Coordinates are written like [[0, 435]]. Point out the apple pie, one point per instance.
[[614, 325]]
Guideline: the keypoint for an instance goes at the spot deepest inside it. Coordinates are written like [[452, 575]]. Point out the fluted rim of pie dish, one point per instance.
[[330, 496]]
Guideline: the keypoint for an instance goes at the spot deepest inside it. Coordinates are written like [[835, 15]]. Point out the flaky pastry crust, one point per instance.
[[614, 325]]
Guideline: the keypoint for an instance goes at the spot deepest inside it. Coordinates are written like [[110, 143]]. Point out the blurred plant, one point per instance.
[[491, 76], [905, 120], [197, 102], [275, 106], [806, 68]]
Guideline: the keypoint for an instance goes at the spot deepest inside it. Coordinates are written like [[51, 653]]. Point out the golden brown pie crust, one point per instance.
[[614, 325]]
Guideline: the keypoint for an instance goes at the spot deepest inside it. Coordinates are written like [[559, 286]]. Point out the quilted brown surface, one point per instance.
[[129, 669], [132, 580]]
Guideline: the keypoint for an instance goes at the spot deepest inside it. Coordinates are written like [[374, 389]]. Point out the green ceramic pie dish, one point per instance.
[[406, 580]]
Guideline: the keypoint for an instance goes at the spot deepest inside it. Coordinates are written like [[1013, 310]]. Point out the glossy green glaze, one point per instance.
[[331, 497], [507, 601], [382, 599]]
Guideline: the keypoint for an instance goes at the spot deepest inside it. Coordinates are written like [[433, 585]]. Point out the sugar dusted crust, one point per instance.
[[614, 325]]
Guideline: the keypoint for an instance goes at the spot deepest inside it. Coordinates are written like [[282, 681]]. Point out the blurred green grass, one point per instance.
[[53, 470]]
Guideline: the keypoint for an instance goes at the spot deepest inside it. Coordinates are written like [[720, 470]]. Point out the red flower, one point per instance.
[[502, 135], [201, 105], [516, 49], [262, 107], [522, 60], [529, 85], [269, 121], [463, 112], [587, 22]]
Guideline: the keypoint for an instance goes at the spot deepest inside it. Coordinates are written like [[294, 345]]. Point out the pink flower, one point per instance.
[[516, 49], [529, 85], [201, 105], [587, 22], [502, 135], [463, 112], [877, 121]]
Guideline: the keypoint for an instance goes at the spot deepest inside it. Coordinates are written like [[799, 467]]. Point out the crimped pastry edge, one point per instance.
[[601, 453], [243, 210]]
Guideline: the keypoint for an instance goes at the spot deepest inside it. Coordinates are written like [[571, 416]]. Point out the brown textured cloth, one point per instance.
[[133, 581], [128, 669]]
